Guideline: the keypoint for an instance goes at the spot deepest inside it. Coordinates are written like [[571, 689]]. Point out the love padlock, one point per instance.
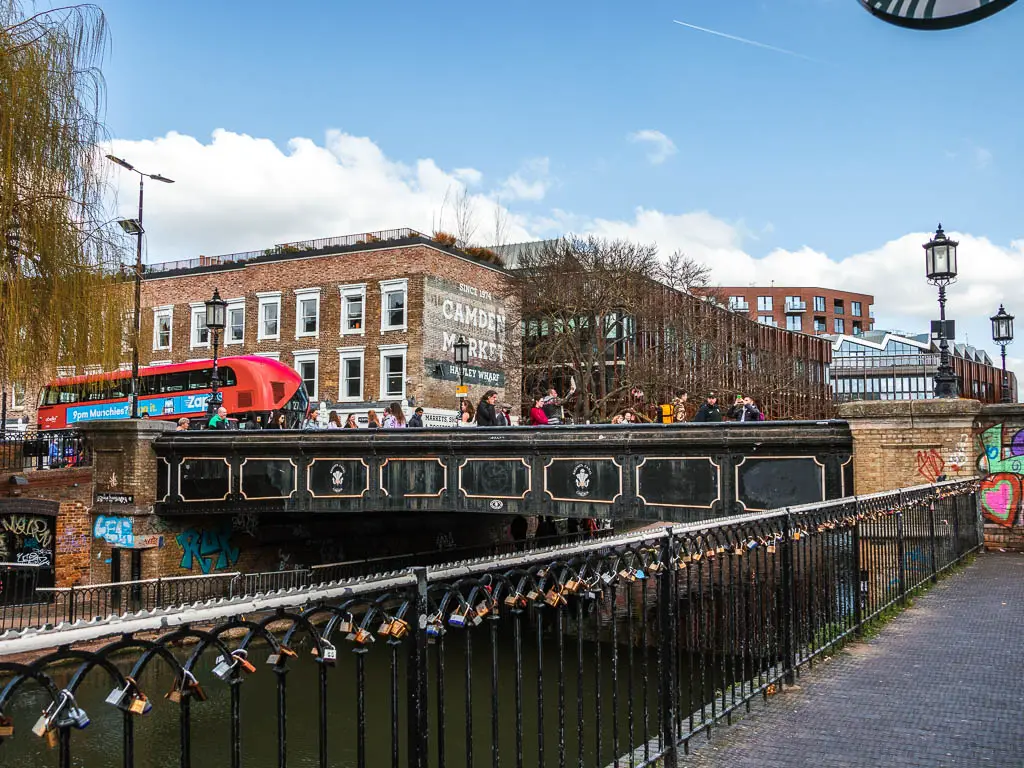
[[140, 704], [399, 628], [6, 727]]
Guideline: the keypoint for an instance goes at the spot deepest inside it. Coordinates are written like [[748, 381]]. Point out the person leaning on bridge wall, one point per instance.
[[709, 412]]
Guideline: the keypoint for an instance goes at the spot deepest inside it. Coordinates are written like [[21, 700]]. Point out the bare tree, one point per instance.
[[465, 218]]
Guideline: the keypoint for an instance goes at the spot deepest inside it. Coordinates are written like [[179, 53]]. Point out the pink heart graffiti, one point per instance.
[[999, 494]]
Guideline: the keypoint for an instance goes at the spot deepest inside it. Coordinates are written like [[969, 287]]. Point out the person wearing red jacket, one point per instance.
[[537, 416]]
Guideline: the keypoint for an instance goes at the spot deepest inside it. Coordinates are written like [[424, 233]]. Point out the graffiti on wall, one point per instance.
[[29, 538], [1002, 490], [930, 465], [209, 548], [116, 531]]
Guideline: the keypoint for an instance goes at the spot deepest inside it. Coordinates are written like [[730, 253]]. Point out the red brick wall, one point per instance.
[[414, 262], [807, 295]]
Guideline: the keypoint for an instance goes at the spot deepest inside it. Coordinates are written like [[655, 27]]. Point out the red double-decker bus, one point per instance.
[[249, 385]]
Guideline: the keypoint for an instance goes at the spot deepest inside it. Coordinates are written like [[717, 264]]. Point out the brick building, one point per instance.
[[366, 320], [810, 310]]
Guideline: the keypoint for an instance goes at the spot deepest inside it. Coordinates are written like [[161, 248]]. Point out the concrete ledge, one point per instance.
[[122, 428], [913, 409]]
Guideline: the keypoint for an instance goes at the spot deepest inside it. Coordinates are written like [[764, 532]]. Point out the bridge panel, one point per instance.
[[652, 472]]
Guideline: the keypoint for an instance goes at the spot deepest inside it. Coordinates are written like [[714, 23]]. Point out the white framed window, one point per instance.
[[163, 326], [271, 355], [269, 316], [235, 331], [394, 314], [200, 334], [840, 326], [307, 364], [351, 365], [794, 323], [392, 371], [307, 312], [764, 303], [353, 309], [17, 397]]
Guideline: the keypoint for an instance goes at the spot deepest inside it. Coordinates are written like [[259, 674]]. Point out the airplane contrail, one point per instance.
[[748, 42]]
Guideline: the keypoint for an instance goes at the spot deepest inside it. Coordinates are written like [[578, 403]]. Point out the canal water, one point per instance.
[[157, 733]]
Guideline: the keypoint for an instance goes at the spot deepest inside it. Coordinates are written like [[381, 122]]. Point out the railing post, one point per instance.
[[159, 592], [901, 552], [788, 589], [71, 605], [417, 683], [667, 651], [860, 595], [931, 537]]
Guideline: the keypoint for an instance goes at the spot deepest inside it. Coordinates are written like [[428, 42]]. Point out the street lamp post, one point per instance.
[[940, 267], [134, 227], [216, 315], [461, 349], [1002, 334]]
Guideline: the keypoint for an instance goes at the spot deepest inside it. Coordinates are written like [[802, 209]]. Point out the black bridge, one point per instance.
[[652, 472]]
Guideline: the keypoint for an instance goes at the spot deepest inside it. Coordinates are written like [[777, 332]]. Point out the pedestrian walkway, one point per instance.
[[941, 685]]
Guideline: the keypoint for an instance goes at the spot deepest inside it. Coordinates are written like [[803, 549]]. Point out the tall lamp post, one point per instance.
[[1002, 334], [461, 350], [134, 227], [940, 267], [216, 315]]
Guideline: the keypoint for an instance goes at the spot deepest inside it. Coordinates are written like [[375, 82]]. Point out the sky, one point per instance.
[[825, 156]]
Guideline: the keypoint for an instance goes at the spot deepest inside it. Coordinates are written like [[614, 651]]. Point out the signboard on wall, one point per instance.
[[934, 14], [453, 309]]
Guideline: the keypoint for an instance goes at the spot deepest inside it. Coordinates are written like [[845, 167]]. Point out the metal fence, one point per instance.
[[56, 449], [25, 604], [614, 652]]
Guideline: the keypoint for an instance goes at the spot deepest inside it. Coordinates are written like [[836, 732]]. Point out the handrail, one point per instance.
[[137, 582]]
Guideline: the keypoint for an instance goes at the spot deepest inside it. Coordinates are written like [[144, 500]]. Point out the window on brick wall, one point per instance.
[[394, 296], [269, 316], [819, 303], [200, 334], [764, 303], [163, 323], [392, 371], [235, 332], [307, 364], [307, 312], [17, 396], [350, 376], [353, 309]]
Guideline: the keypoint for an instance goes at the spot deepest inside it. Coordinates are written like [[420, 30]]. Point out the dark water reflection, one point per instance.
[[157, 739]]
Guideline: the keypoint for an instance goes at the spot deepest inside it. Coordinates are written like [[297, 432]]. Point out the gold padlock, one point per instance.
[[512, 600], [385, 628], [173, 695], [51, 738], [482, 609], [138, 705], [654, 567], [572, 585], [399, 628], [533, 594], [346, 625], [554, 598], [6, 727], [363, 636]]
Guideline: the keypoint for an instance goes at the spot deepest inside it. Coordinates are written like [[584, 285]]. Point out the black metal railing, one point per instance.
[[610, 652], [344, 241], [26, 604], [53, 449]]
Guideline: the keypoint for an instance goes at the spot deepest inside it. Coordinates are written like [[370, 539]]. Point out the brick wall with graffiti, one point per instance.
[[1000, 442]]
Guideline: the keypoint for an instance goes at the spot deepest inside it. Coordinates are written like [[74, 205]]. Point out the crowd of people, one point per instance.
[[488, 412]]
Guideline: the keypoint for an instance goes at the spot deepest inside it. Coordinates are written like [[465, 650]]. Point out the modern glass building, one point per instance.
[[884, 365]]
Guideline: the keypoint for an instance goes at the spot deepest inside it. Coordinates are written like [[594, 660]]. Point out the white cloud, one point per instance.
[[659, 146], [238, 192], [982, 157], [530, 182]]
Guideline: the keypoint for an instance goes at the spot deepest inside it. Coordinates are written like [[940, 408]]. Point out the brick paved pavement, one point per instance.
[[941, 685]]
